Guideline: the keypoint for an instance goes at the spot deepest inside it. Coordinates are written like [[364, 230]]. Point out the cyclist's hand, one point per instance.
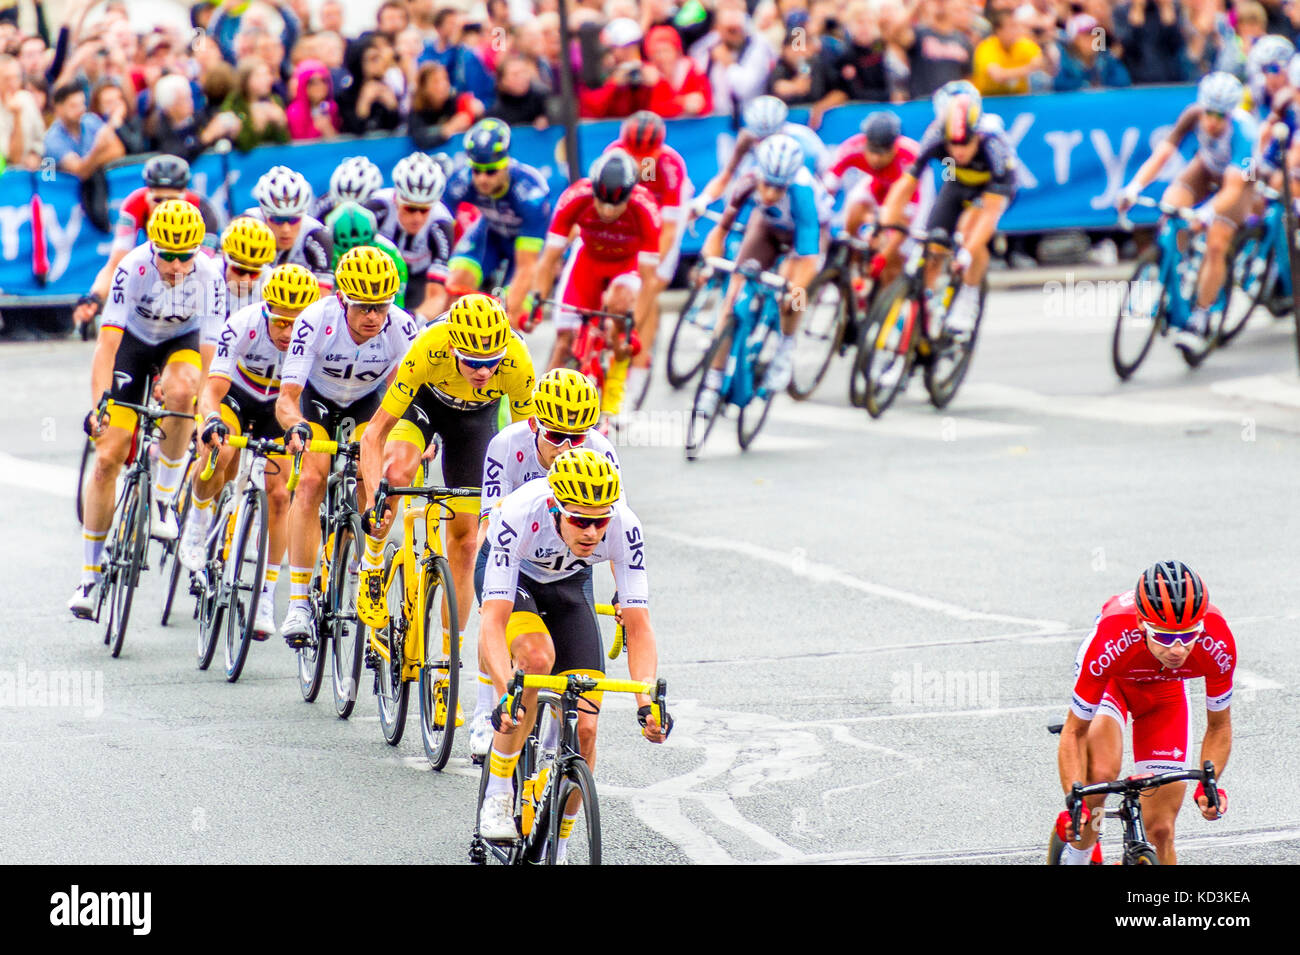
[[502, 721], [1203, 803], [95, 424], [650, 727], [1126, 199], [214, 431], [88, 306], [1064, 830], [297, 438]]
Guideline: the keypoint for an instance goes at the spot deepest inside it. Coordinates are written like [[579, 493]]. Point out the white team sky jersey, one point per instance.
[[324, 354], [307, 249], [511, 461], [523, 538], [153, 311], [247, 356], [424, 248]]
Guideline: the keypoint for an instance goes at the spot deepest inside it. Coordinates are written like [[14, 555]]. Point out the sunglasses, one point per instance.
[[486, 170], [478, 364], [1174, 638], [583, 521], [370, 308], [1215, 114], [1271, 69], [245, 270], [284, 220], [558, 438], [175, 256], [413, 210]]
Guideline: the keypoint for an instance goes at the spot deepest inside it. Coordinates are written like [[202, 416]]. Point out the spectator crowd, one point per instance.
[[92, 85]]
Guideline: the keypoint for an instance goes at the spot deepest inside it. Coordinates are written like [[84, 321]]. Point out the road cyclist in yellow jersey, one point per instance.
[[449, 384], [566, 412]]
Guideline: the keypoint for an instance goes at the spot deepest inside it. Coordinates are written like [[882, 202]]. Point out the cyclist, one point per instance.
[[514, 205], [979, 184], [566, 409], [247, 248], [1224, 168], [355, 180], [612, 265], [352, 225], [411, 216], [343, 351], [165, 177], [785, 225], [1266, 73], [537, 617], [239, 398], [878, 155], [764, 116], [663, 173], [1146, 644], [283, 198], [450, 384], [161, 292]]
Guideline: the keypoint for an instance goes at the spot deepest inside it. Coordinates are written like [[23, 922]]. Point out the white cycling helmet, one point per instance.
[[1270, 52], [945, 93], [765, 116], [355, 180], [780, 157], [419, 179], [283, 192], [1219, 92]]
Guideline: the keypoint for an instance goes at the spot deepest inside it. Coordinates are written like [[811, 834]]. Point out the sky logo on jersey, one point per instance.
[[1218, 652], [634, 543], [1113, 650]]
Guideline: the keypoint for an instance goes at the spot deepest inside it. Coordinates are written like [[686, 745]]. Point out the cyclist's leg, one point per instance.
[[619, 296], [569, 291], [467, 267], [761, 246], [1161, 734], [949, 203], [180, 384], [1105, 755], [1231, 205], [304, 519], [1189, 188]]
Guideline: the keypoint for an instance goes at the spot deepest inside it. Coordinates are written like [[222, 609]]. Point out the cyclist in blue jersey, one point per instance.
[[1224, 167], [515, 206], [784, 222]]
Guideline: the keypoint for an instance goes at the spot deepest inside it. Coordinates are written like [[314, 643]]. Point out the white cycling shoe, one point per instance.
[[960, 321], [264, 619], [781, 370], [706, 405], [495, 821], [86, 598], [480, 737], [162, 522], [192, 549], [298, 625]]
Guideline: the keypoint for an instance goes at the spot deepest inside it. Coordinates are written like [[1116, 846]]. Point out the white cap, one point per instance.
[[621, 31]]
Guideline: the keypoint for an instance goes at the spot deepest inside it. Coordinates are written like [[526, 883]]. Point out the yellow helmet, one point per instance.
[[477, 325], [566, 400], [290, 287], [583, 477], [176, 226], [365, 274], [248, 242]]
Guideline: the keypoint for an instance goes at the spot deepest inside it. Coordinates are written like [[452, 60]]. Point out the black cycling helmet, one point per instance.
[[1170, 596], [613, 177], [882, 130], [166, 172]]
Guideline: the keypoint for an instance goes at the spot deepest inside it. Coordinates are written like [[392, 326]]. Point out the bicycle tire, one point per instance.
[[392, 693], [210, 606], [1143, 856], [312, 655], [347, 632], [438, 739], [87, 456], [170, 560], [871, 363], [481, 851], [823, 343], [751, 417], [678, 365], [867, 331], [131, 542], [585, 837], [1148, 263], [943, 389], [694, 444], [1253, 281], [241, 611]]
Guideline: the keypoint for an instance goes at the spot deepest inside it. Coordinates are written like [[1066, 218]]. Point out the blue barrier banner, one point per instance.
[[1076, 149]]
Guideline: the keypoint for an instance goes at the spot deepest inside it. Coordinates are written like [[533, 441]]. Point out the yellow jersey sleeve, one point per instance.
[[521, 379]]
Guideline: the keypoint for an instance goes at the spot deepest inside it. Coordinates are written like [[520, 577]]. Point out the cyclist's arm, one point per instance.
[[1217, 744], [492, 637], [900, 194], [101, 367], [1151, 168], [544, 282], [372, 448], [642, 653], [288, 406], [105, 276], [526, 258], [1071, 753], [214, 390]]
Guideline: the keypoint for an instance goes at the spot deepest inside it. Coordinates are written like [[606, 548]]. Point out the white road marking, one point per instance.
[[53, 479], [1269, 389], [928, 424], [800, 566], [1120, 409]]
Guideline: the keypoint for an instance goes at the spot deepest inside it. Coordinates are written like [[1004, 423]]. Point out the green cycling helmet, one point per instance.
[[354, 225]]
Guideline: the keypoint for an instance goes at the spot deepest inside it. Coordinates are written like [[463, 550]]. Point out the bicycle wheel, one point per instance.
[[131, 540], [87, 458], [211, 606], [391, 691], [312, 654], [868, 328], [480, 850], [1142, 856], [820, 332], [689, 344], [582, 847], [948, 365], [699, 426], [1141, 314], [172, 575], [347, 631], [885, 361], [1253, 270], [246, 571], [440, 674], [750, 420]]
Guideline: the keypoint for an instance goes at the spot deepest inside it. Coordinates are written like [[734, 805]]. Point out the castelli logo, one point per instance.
[[329, 329], [519, 456], [536, 526], [251, 334], [142, 270]]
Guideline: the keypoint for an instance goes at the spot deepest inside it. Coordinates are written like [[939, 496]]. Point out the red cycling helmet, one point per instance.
[[642, 133], [1171, 596]]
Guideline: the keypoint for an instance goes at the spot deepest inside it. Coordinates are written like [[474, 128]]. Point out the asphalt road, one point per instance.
[[865, 628]]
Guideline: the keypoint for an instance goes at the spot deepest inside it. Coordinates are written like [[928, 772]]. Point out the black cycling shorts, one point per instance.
[[954, 197], [465, 435], [255, 415], [326, 417]]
